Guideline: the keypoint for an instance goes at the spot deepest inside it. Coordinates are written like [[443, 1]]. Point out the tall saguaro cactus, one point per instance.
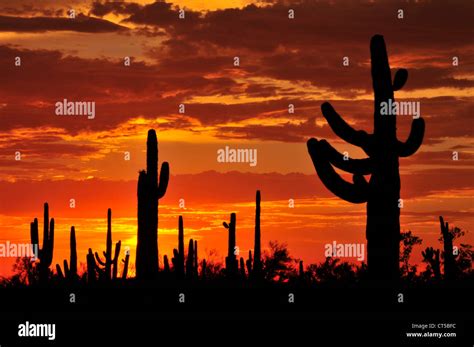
[[149, 192], [382, 193], [45, 254], [257, 263]]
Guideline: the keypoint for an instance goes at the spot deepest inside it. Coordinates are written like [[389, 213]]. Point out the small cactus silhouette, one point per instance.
[[382, 193], [257, 262], [243, 275], [448, 254], [231, 263], [109, 263], [301, 272], [91, 267], [125, 266], [196, 264], [166, 265], [203, 269], [178, 255], [249, 263], [70, 270], [190, 260]]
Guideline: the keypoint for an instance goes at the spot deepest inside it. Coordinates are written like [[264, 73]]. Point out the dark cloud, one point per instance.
[[81, 23], [101, 9]]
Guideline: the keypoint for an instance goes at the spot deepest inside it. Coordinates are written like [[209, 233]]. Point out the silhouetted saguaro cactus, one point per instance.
[[231, 263], [70, 270], [448, 254], [125, 266], [110, 263], [301, 270], [196, 264], [431, 256], [249, 263], [382, 193], [178, 255], [190, 260], [166, 265], [91, 267], [242, 268], [257, 263], [149, 192], [45, 254], [203, 268]]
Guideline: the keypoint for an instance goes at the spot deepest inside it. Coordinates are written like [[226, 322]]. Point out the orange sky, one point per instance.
[[190, 62]]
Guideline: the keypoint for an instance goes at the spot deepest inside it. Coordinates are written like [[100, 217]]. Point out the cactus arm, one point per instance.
[[355, 166], [411, 145], [444, 226], [355, 193], [117, 251], [59, 271], [73, 252], [355, 137], [97, 257], [34, 232], [175, 255], [164, 179], [400, 79], [66, 268], [45, 226], [50, 244]]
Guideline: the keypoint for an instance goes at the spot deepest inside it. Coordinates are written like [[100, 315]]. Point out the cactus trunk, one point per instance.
[[190, 261], [449, 261], [257, 263]]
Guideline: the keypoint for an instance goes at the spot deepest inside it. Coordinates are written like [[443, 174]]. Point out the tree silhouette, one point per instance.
[[431, 257], [277, 264], [408, 241]]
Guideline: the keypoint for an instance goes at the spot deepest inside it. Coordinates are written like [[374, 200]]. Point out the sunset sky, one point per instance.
[[190, 61]]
